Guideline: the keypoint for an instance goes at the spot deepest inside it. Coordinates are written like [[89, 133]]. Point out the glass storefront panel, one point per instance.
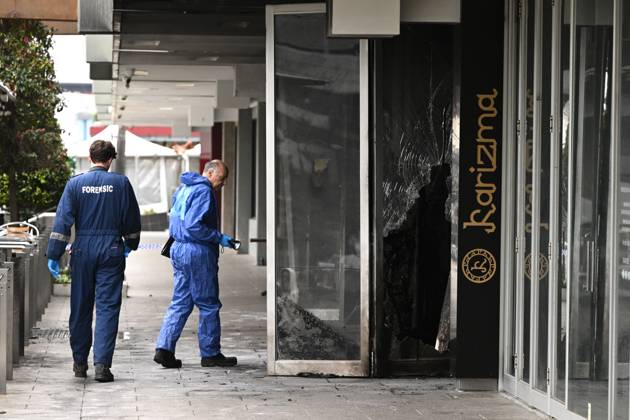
[[528, 190], [580, 141], [317, 253], [563, 199], [623, 224], [513, 194], [589, 319], [544, 194]]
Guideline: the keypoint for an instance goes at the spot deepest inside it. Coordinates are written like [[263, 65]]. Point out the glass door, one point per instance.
[[525, 190], [542, 146], [533, 189], [318, 212], [573, 312], [621, 270], [589, 298], [559, 261], [561, 187]]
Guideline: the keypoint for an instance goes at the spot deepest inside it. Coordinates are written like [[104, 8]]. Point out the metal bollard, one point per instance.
[[18, 306], [38, 284], [43, 281], [47, 277], [16, 315], [4, 329], [34, 289], [28, 302], [9, 331]]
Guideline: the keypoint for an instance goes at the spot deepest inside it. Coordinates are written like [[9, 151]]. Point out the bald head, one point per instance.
[[217, 172]]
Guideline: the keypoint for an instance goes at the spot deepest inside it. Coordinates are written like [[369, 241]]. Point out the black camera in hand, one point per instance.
[[235, 244]]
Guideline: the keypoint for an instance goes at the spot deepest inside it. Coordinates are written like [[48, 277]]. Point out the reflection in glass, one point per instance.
[[563, 199], [528, 156], [542, 277], [623, 227], [588, 346], [317, 191], [512, 349]]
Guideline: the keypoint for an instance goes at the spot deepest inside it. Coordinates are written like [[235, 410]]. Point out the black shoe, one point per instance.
[[167, 359], [102, 374], [80, 371], [218, 360]]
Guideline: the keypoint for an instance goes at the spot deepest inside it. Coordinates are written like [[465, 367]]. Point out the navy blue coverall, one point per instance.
[[195, 257], [104, 209]]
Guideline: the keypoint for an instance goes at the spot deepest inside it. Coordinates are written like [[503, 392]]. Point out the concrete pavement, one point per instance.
[[44, 386]]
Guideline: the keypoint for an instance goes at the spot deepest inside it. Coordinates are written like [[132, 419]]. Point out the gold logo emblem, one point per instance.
[[479, 265], [543, 266]]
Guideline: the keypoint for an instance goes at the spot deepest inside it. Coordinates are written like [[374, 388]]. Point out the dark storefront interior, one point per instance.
[[413, 120]]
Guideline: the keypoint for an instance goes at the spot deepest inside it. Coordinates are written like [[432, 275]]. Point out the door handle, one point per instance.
[[593, 265], [587, 283]]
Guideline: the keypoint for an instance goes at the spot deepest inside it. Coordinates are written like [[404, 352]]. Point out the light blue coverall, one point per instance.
[[194, 256]]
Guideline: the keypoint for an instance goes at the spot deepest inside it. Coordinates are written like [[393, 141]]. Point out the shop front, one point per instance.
[[360, 145], [565, 288], [317, 214]]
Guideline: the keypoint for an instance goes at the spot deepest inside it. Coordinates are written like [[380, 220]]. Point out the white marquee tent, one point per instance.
[[153, 170], [192, 157]]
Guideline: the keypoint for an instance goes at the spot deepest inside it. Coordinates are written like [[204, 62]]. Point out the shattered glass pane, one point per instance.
[[417, 144], [317, 191]]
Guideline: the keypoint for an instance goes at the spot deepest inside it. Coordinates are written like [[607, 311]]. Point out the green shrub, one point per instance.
[[64, 277]]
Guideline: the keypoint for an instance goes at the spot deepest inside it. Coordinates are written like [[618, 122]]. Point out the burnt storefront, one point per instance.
[[385, 222], [443, 186]]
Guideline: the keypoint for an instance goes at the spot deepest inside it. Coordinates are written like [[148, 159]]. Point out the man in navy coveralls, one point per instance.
[[103, 208]]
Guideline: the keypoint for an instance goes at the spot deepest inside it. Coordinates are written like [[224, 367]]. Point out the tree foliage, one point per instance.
[[37, 190], [33, 162]]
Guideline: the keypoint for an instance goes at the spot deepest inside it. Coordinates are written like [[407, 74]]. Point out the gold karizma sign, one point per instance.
[[479, 265], [485, 166]]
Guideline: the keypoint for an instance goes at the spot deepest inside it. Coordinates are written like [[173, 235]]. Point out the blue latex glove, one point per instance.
[[225, 241], [127, 251], [53, 267]]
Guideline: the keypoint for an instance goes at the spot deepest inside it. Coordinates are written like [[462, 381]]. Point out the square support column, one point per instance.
[[228, 194], [260, 249], [244, 159]]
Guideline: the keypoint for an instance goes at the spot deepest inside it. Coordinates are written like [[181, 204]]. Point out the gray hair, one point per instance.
[[213, 165]]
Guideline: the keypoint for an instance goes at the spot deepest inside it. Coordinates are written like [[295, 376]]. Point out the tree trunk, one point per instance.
[[13, 196]]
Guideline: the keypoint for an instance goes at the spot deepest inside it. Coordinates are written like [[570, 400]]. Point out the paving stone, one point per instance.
[[44, 386]]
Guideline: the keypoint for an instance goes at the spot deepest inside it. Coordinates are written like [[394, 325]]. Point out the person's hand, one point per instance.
[[53, 267], [226, 241], [126, 250]]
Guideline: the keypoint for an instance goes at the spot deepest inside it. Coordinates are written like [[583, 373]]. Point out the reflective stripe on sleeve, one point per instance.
[[59, 237]]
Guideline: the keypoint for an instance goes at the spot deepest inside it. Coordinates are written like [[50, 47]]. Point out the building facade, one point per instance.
[[403, 175], [565, 324]]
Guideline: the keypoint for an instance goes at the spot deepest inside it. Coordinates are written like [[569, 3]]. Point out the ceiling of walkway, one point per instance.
[[169, 55]]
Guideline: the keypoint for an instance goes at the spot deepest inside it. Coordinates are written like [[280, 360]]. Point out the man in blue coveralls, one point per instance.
[[195, 258], [103, 208]]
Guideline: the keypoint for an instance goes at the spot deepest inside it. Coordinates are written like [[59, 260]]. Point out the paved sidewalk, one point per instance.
[[44, 386]]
